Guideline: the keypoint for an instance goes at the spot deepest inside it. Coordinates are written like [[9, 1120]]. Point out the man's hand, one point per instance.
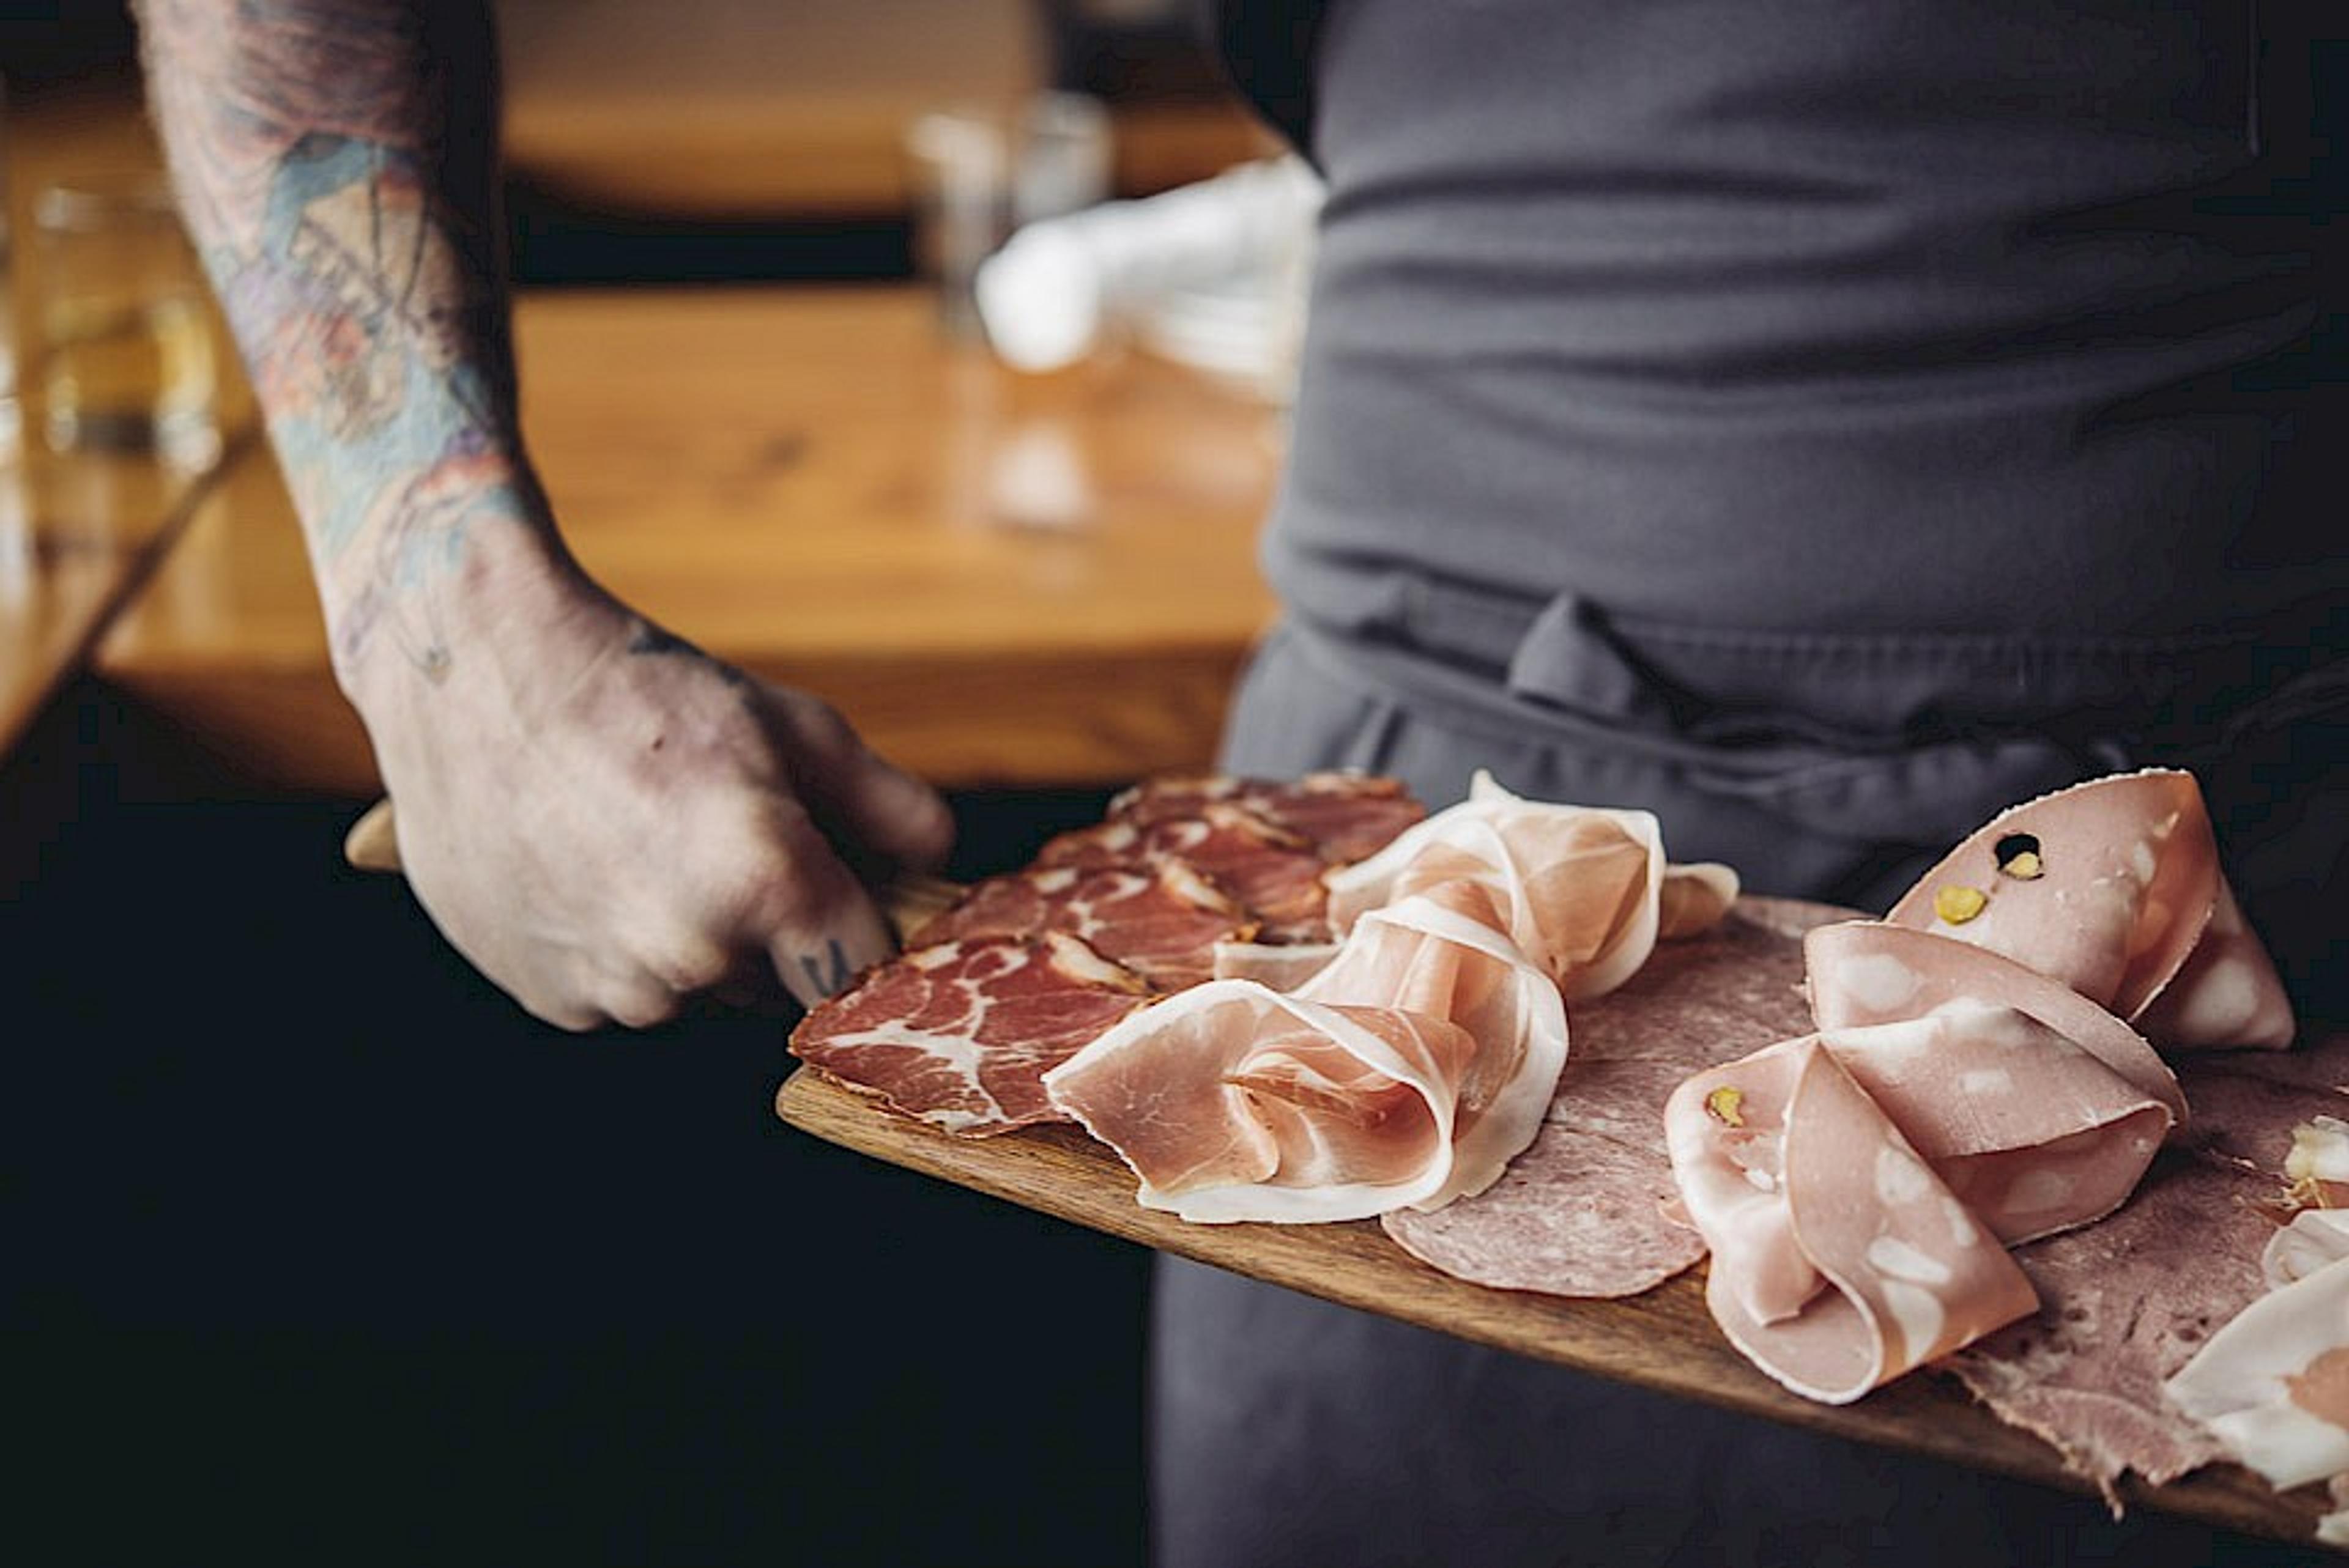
[[615, 821]]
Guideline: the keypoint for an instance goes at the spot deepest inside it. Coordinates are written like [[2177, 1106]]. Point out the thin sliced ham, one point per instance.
[[1839, 1260], [2273, 1383], [1442, 953], [1236, 1102], [1579, 889], [2114, 887], [961, 1034]]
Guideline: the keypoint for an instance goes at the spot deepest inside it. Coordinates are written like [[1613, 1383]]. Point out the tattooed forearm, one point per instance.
[[335, 163]]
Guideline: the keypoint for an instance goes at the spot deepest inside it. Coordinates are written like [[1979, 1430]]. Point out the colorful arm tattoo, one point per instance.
[[335, 163]]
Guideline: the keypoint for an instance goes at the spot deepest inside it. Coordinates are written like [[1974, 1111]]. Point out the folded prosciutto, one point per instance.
[[2114, 887], [1405, 1073], [1580, 889], [1236, 1102], [1839, 1259]]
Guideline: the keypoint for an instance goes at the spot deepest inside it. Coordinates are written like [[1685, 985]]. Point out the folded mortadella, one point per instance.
[[1839, 1259], [2027, 1129], [1863, 972], [2114, 887], [1578, 888]]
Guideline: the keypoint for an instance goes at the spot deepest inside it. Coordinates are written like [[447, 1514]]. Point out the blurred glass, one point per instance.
[[977, 173], [125, 345]]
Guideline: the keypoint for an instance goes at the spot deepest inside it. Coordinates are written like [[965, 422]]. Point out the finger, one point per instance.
[[817, 962], [821, 928], [874, 801]]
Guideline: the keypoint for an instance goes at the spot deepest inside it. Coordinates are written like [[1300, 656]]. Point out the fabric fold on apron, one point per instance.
[[1903, 739]]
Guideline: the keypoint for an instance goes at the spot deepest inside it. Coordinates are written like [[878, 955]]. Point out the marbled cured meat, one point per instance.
[[1581, 1213], [1344, 816], [961, 1033], [1839, 1259], [1271, 872], [1163, 922], [2114, 887]]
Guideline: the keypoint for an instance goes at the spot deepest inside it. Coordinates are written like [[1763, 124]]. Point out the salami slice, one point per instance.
[[1581, 1213]]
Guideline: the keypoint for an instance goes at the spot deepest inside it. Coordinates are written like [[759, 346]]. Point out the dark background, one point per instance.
[[318, 1250]]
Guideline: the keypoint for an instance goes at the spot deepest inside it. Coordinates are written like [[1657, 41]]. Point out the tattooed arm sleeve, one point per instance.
[[336, 163]]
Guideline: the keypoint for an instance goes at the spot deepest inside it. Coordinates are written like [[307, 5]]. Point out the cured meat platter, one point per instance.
[[1664, 1338]]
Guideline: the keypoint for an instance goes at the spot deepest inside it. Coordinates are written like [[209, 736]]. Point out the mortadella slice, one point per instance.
[[1839, 1260], [2029, 1130], [1578, 888], [2114, 887], [1863, 972], [1233, 1102]]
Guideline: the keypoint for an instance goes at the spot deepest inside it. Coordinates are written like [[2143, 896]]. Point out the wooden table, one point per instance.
[[1001, 580], [79, 533]]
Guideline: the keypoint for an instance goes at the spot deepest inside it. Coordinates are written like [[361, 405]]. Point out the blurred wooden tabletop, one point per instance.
[[1001, 580]]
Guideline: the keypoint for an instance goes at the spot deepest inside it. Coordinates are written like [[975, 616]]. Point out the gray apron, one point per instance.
[[1287, 1430]]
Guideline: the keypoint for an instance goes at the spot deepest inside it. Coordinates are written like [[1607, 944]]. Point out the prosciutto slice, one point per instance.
[[961, 1034], [1162, 923], [1440, 953], [1839, 1259], [2114, 887], [1344, 816], [1457, 1043], [1236, 1102], [1579, 889]]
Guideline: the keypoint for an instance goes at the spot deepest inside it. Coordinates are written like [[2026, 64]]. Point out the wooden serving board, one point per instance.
[[1665, 1339]]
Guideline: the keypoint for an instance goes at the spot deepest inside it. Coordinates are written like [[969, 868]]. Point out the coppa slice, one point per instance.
[[1163, 922], [961, 1034], [1580, 1212], [1272, 874], [1344, 816], [2113, 887]]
